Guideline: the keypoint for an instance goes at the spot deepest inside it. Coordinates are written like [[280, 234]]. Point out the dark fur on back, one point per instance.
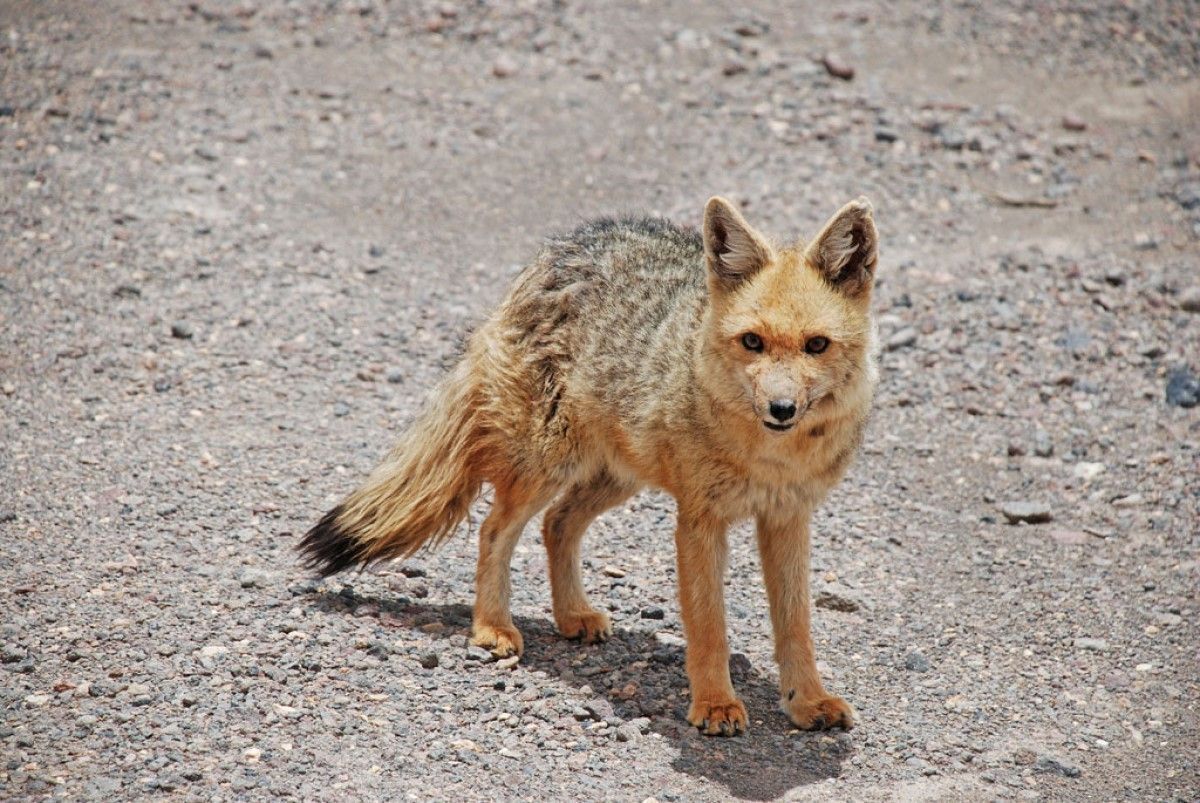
[[603, 230]]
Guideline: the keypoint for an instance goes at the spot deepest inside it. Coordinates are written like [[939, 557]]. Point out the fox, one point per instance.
[[733, 372]]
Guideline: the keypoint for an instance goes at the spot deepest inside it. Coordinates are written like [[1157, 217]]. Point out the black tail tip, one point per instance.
[[328, 548]]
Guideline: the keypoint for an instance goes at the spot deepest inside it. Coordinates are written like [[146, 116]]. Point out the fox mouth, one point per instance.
[[779, 427]]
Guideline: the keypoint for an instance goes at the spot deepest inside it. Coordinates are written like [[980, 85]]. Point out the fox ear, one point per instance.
[[846, 250], [735, 252]]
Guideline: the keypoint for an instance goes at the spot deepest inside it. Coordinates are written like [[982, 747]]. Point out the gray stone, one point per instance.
[[1188, 195], [1056, 766], [1092, 644], [1027, 512], [838, 68], [902, 338], [1183, 388], [628, 733], [254, 577], [951, 138], [836, 602], [505, 66]]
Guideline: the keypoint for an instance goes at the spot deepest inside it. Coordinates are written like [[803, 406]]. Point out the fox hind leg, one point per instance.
[[515, 503], [563, 528]]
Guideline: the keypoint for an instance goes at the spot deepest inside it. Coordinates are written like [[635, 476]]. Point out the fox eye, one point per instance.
[[815, 345], [752, 341]]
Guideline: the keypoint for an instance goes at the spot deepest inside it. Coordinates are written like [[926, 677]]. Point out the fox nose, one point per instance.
[[783, 409]]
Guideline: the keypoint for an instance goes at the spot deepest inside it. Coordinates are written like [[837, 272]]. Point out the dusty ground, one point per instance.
[[239, 243]]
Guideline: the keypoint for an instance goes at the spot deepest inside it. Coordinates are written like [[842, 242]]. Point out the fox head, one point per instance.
[[788, 330]]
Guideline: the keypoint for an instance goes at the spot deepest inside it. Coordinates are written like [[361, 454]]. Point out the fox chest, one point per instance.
[[781, 479]]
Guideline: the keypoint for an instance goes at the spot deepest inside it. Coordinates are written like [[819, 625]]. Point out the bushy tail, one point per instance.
[[418, 494]]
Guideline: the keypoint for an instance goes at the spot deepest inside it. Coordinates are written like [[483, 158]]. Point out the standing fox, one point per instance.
[[733, 373]]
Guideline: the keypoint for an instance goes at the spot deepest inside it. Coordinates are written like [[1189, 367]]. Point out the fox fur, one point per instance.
[[732, 372]]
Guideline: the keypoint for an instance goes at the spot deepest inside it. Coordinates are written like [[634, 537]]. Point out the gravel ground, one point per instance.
[[242, 241]]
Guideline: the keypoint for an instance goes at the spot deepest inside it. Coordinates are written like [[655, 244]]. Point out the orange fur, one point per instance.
[[731, 373]]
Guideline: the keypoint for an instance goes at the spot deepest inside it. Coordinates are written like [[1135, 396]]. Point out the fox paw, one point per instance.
[[502, 640], [589, 626], [822, 713], [726, 718]]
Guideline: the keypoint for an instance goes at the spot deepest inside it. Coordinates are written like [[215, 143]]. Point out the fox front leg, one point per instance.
[[783, 544], [701, 551]]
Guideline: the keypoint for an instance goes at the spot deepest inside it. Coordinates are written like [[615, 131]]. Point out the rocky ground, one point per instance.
[[240, 242]]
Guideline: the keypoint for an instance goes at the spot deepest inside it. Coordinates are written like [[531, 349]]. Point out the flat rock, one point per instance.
[[1027, 512], [901, 339], [1070, 537], [837, 601], [1056, 766], [1092, 644]]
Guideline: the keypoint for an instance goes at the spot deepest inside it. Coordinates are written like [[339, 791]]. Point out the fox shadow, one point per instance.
[[763, 764]]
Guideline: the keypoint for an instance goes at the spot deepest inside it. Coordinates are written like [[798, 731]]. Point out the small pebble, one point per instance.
[[1092, 644], [752, 28], [902, 338], [1183, 388], [253, 578], [504, 66], [734, 66], [1049, 764], [628, 733], [1088, 471], [1142, 241], [951, 138], [837, 68], [836, 602]]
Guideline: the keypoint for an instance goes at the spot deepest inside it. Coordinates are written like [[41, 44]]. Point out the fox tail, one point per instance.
[[416, 497]]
